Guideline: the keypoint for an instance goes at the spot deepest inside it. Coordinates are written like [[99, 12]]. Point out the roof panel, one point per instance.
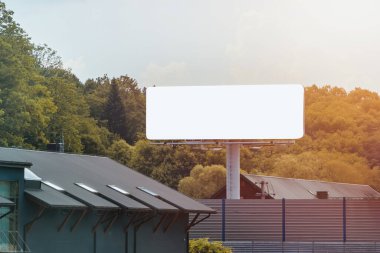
[[51, 198], [66, 169], [129, 180], [123, 200], [6, 202], [293, 188]]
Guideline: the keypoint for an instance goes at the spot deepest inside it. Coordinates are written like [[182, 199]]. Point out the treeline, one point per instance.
[[42, 102], [341, 144]]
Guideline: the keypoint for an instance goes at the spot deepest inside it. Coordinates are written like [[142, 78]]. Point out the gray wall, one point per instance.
[[15, 174], [45, 238]]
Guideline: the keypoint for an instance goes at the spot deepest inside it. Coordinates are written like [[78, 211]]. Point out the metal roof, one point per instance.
[[49, 197], [97, 172], [293, 188], [5, 202]]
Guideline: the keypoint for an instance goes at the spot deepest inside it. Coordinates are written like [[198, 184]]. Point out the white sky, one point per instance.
[[174, 42]]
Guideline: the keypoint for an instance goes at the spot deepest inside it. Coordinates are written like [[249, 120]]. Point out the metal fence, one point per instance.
[[304, 247], [329, 220]]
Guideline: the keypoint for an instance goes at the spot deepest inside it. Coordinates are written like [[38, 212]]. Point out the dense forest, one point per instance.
[[42, 102]]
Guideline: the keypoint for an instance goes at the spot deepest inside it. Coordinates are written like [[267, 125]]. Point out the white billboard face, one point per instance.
[[238, 112]]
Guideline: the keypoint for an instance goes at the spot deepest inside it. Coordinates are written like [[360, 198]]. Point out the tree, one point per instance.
[[26, 104], [134, 99], [203, 182], [115, 111], [120, 151], [104, 97], [323, 165], [147, 157], [176, 165]]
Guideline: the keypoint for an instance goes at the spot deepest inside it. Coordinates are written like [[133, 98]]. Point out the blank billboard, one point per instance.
[[235, 112]]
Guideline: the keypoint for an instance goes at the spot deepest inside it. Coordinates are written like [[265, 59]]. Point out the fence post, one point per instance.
[[223, 220], [344, 220], [283, 220]]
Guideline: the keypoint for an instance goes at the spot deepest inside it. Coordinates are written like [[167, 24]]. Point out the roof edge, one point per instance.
[[313, 180], [15, 164]]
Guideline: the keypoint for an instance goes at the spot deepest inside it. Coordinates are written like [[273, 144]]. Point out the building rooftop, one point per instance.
[[293, 188], [88, 180]]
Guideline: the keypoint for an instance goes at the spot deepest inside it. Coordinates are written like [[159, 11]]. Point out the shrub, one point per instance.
[[203, 245]]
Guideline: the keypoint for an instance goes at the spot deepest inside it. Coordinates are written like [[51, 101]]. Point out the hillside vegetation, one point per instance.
[[42, 102]]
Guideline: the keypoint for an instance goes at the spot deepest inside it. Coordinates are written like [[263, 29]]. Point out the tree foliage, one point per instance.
[[203, 245], [118, 104], [203, 181], [42, 102]]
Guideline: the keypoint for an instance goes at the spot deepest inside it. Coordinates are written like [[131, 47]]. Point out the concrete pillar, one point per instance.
[[233, 171]]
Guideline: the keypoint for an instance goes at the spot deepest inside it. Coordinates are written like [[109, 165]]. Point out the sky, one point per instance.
[[212, 42]]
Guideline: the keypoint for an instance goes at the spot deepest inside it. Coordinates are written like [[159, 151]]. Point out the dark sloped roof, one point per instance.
[[48, 197], [5, 202], [65, 170], [293, 188], [15, 164]]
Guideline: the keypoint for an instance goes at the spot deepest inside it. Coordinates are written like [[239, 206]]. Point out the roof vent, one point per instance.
[[54, 186], [147, 191], [118, 189], [322, 194], [86, 187]]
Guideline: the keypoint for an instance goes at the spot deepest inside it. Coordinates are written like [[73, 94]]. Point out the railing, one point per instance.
[[11, 242]]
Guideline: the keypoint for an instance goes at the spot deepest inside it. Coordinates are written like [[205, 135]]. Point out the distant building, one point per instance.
[[57, 202], [268, 187]]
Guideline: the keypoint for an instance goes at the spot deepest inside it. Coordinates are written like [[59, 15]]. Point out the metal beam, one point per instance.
[[68, 215], [192, 221], [171, 222], [225, 142], [29, 225], [131, 220], [195, 222], [78, 220], [99, 221], [108, 227], [7, 213], [163, 217], [148, 218]]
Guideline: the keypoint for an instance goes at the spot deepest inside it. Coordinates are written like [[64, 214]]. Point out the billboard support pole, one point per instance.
[[233, 171]]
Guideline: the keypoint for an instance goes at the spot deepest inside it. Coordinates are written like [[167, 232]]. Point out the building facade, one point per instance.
[[57, 202]]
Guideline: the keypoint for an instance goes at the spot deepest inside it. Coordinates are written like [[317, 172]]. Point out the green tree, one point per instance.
[[203, 182], [106, 97], [115, 111], [120, 151], [323, 165], [176, 165], [134, 99], [26, 105], [146, 157]]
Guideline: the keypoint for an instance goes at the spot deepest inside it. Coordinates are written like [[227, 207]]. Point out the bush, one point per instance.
[[204, 246]]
